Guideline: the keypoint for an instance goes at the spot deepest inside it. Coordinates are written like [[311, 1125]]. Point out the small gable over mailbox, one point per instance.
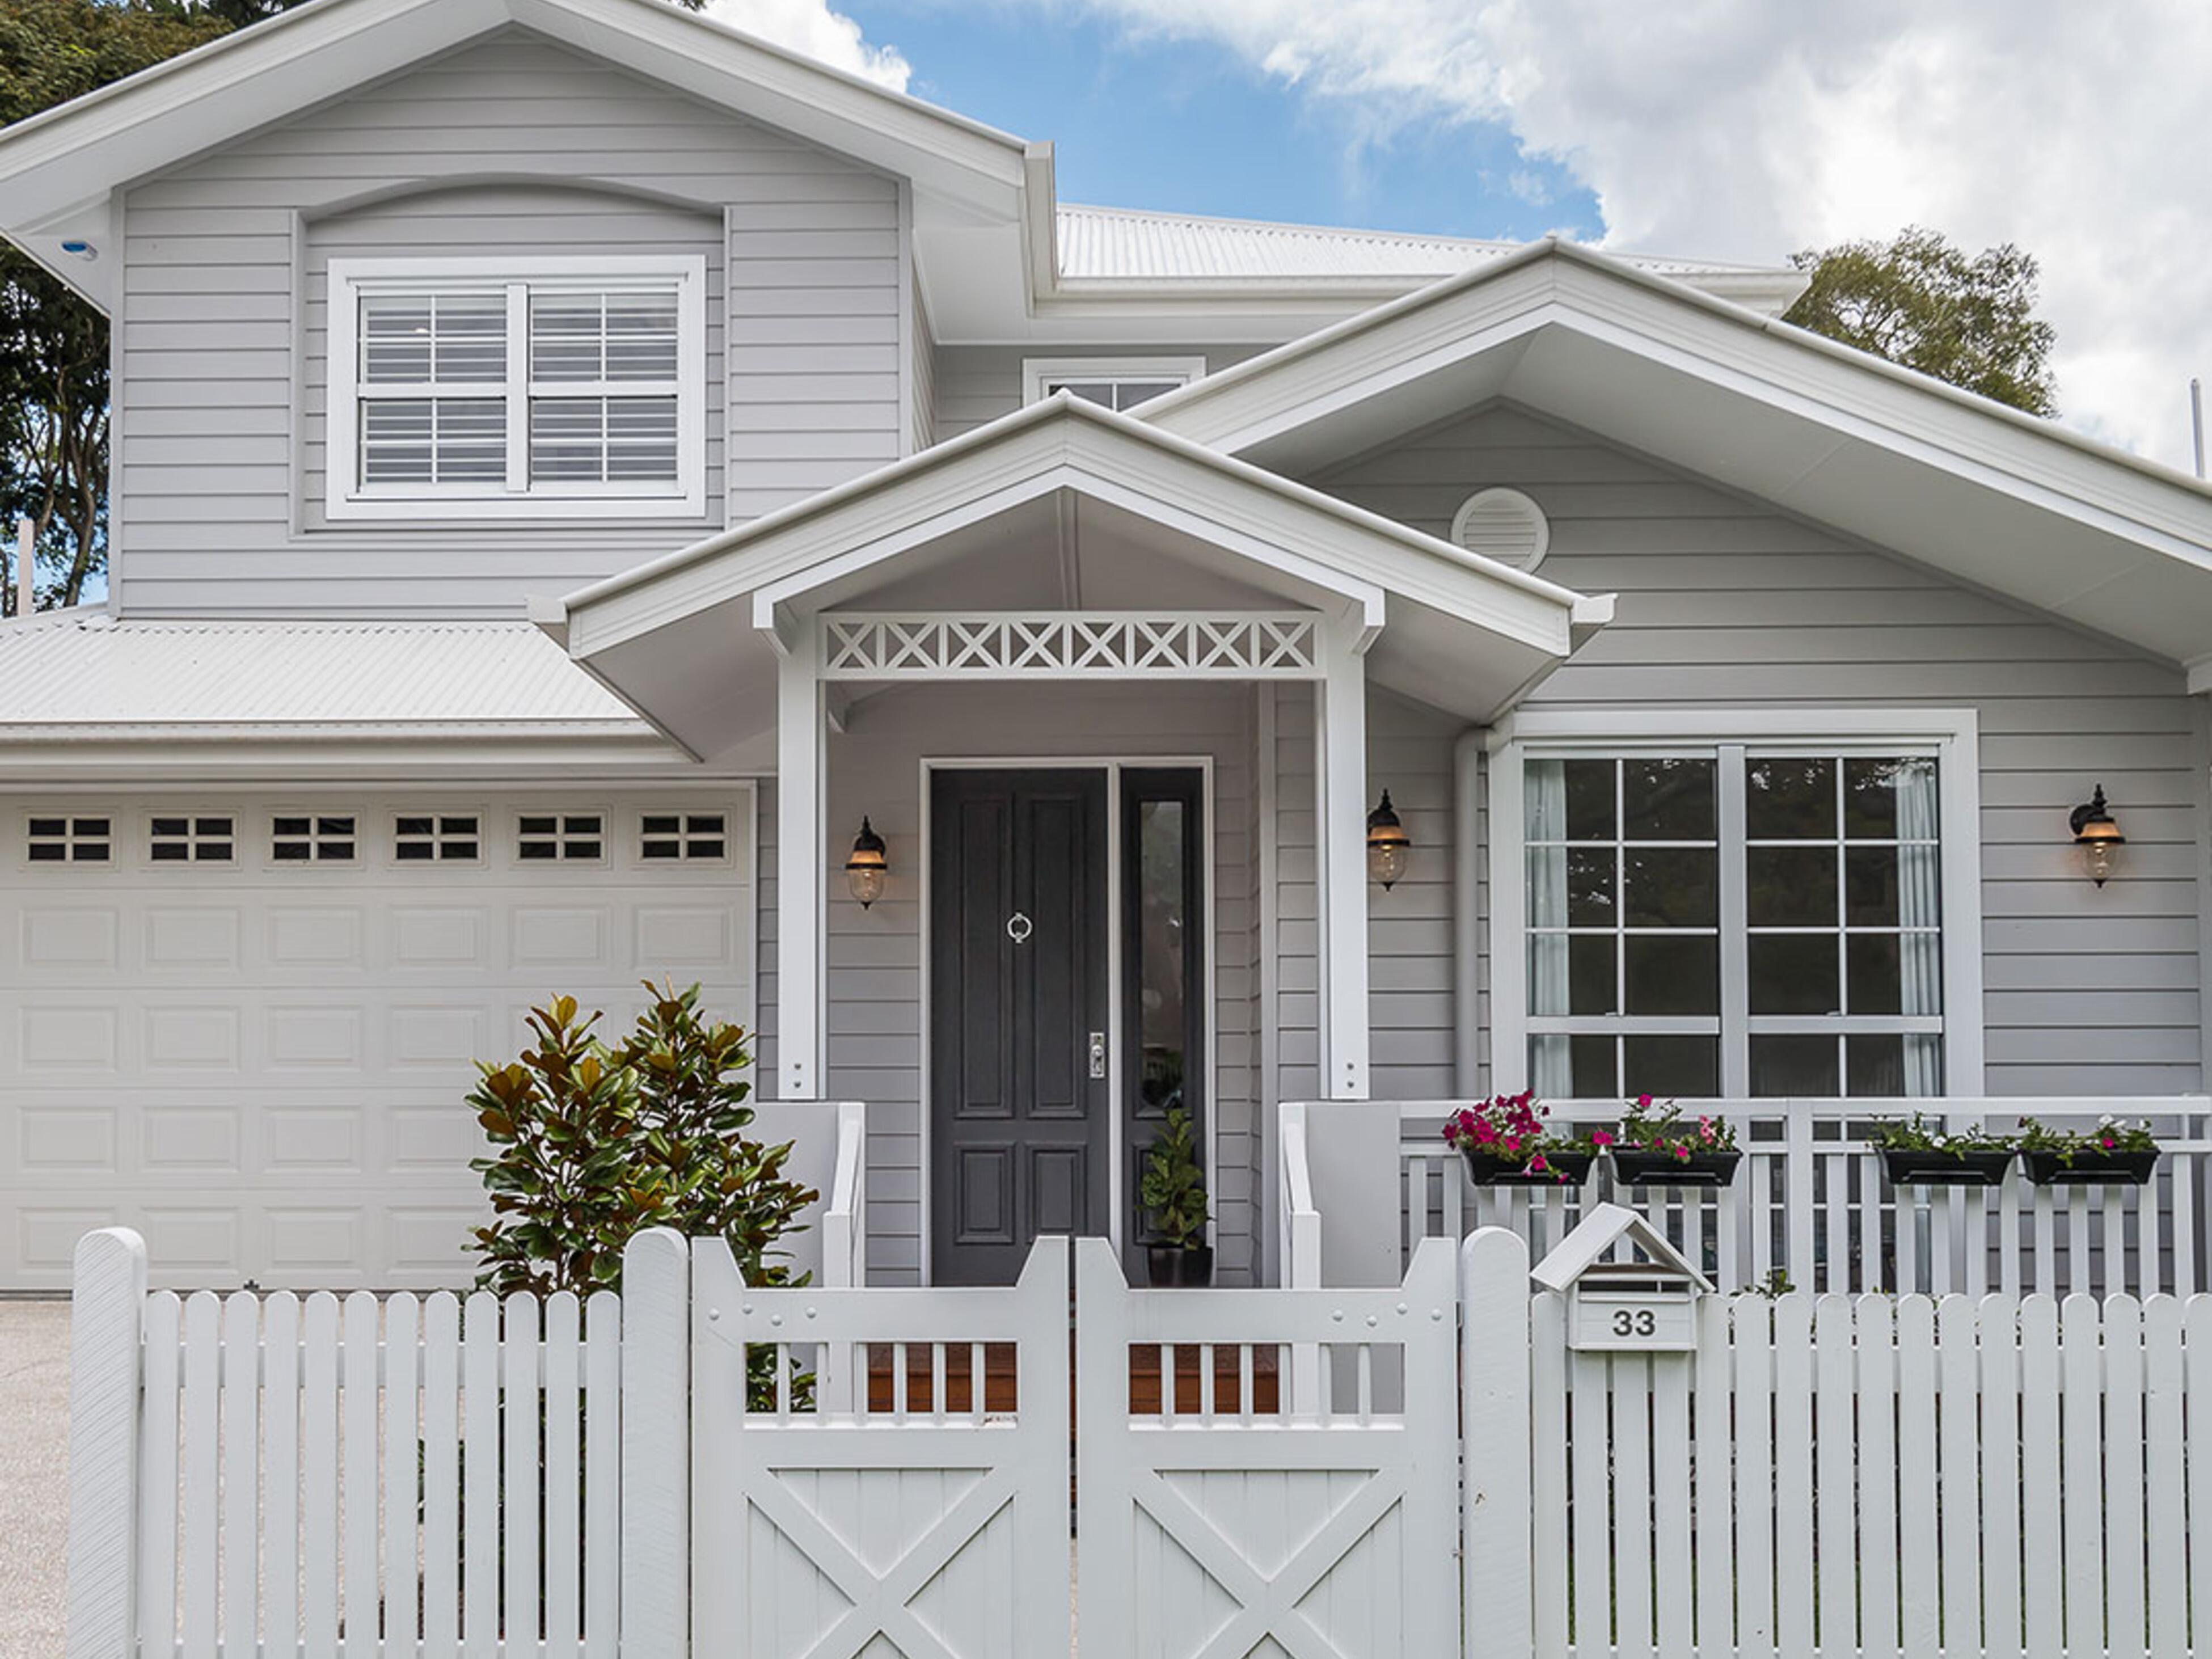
[[1645, 1304]]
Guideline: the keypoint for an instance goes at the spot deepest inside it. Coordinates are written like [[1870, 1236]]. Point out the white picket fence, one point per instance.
[[1812, 1204], [376, 1476], [1863, 1475], [1425, 1468]]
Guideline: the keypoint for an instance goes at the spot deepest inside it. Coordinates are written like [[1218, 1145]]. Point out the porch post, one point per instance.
[[1341, 859], [800, 772]]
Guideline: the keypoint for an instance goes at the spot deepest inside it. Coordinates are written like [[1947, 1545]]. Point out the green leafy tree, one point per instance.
[[1923, 302], [53, 346], [593, 1142]]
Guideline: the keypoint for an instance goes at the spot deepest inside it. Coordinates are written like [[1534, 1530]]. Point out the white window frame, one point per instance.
[[347, 497], [1951, 735], [1037, 371]]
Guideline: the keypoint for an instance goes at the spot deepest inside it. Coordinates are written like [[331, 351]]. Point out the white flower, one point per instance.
[[2106, 1122]]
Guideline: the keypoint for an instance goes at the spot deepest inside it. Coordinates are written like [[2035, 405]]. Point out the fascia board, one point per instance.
[[1770, 361], [137, 754], [66, 156], [1219, 500], [2028, 466], [1363, 357], [177, 109], [944, 152]]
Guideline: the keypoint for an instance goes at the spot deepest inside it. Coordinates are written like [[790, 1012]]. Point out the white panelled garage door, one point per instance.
[[245, 1026]]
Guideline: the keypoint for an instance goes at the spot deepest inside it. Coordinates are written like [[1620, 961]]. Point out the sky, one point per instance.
[[1740, 130]]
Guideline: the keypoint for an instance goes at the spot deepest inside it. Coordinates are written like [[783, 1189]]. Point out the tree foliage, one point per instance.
[[53, 346], [593, 1142], [1922, 302]]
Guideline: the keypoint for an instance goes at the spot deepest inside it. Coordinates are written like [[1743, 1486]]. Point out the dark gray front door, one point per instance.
[[1017, 973]]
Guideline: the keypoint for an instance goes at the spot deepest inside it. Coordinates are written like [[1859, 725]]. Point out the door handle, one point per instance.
[[1098, 1054]]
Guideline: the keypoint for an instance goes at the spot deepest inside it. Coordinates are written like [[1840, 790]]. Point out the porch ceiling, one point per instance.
[[1062, 507]]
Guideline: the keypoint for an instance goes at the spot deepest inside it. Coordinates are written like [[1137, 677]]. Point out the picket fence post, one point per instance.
[[656, 1445], [106, 1302], [1496, 1557]]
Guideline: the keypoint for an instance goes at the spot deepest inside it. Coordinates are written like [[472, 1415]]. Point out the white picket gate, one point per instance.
[[1259, 1472], [865, 1512], [1325, 1529]]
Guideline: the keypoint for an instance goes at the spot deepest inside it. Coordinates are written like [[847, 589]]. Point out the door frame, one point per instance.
[[1112, 766]]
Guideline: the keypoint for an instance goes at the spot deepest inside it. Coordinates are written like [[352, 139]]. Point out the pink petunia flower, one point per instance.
[[1601, 1137]]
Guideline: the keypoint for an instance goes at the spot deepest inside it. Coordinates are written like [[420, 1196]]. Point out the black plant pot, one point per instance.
[[1637, 1167], [1931, 1166], [1167, 1266], [1566, 1170], [2097, 1168]]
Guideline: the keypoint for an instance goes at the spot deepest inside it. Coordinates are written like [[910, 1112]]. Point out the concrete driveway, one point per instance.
[[34, 1476]]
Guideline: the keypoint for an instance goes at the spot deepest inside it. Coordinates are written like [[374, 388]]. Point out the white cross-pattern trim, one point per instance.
[[1071, 645]]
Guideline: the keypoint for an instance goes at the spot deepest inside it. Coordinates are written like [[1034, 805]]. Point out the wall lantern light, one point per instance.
[[1388, 846], [865, 869], [2098, 836]]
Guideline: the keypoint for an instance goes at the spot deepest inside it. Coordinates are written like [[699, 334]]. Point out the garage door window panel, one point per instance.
[[561, 837], [196, 838], [54, 839], [314, 838], [438, 838]]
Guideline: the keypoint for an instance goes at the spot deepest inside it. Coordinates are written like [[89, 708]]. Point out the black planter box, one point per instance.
[[1643, 1169], [1174, 1266], [1931, 1166], [2090, 1169], [1567, 1170]]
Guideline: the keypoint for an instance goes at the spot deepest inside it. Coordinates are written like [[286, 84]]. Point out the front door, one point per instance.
[[1019, 947]]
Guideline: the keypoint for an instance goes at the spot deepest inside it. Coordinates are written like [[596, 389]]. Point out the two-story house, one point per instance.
[[575, 466]]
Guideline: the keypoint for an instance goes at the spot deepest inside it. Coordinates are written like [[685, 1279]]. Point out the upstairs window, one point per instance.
[[1116, 383], [475, 388]]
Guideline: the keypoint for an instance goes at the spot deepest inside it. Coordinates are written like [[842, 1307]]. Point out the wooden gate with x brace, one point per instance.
[[901, 1486]]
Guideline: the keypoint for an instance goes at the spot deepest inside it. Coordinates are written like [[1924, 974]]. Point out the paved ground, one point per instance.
[[33, 1465]]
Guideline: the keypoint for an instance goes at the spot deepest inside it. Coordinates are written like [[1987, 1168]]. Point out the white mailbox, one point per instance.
[[1628, 1290]]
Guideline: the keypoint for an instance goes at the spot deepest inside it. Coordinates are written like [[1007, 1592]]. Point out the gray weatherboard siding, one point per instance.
[[513, 144], [1724, 602]]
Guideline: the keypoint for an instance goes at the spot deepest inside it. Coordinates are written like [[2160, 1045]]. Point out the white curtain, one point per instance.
[[1920, 906], [1545, 789]]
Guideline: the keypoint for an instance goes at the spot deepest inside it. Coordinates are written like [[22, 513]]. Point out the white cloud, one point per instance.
[[811, 27], [1741, 128]]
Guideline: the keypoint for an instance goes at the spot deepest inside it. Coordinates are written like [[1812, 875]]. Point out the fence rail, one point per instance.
[[1812, 1208]]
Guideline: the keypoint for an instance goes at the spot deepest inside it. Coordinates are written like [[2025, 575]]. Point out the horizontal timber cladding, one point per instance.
[[1724, 602], [876, 1009], [219, 458]]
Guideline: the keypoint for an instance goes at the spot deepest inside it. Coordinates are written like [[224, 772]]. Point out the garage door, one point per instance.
[[245, 1026]]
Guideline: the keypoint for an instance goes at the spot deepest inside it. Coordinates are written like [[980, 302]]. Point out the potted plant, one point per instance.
[[1655, 1147], [1505, 1144], [1918, 1153], [1172, 1192], [2111, 1154]]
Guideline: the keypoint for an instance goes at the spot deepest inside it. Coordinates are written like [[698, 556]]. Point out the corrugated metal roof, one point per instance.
[[89, 669], [1109, 244]]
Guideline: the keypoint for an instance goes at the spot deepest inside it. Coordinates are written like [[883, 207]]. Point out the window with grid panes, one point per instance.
[[1785, 908], [465, 385]]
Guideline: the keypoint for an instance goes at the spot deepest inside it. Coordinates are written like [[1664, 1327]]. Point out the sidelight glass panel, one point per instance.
[[1163, 1009]]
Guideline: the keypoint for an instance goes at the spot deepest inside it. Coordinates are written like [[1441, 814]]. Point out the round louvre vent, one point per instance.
[[1502, 525]]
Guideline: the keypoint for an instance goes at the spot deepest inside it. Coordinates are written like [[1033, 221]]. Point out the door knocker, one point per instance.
[[1019, 927]]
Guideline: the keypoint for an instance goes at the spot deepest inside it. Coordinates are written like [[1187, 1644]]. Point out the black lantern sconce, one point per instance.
[[1388, 846], [2098, 836], [865, 869]]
